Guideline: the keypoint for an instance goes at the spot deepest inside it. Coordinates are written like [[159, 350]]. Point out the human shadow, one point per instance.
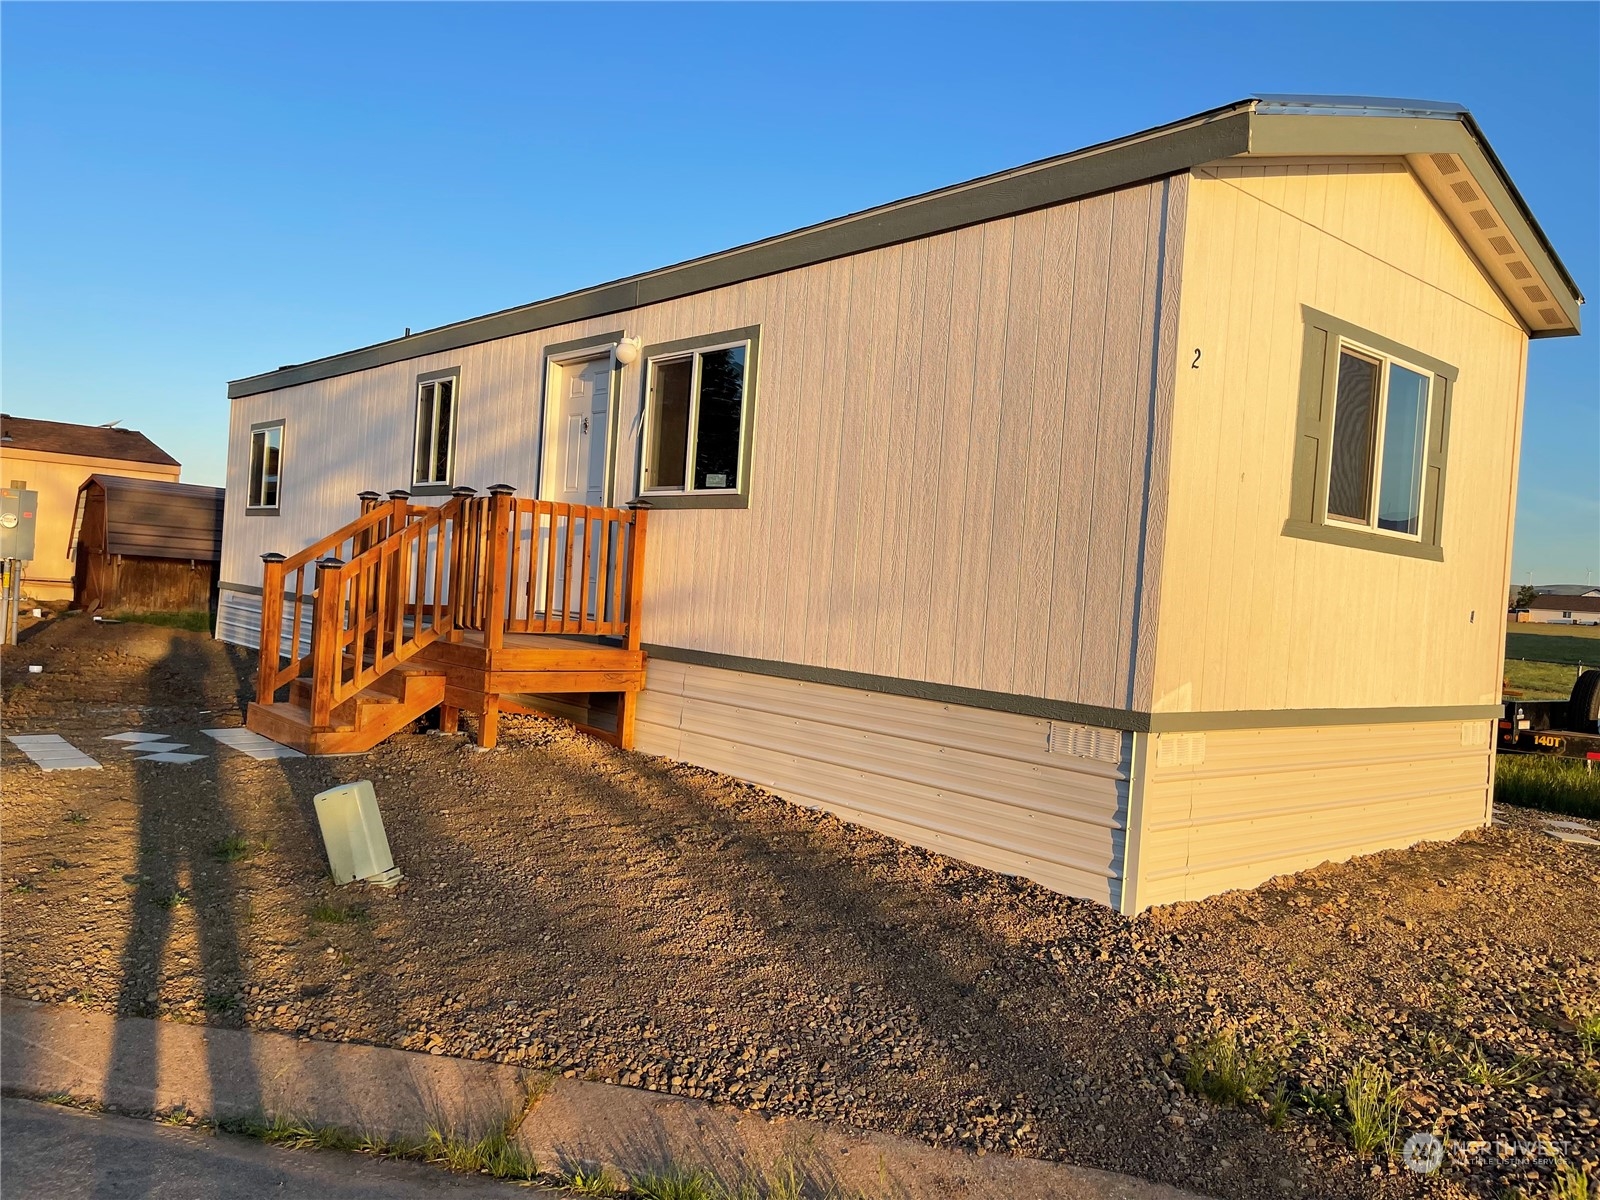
[[185, 884]]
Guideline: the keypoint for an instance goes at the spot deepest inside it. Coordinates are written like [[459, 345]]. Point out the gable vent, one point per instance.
[[1519, 270], [1446, 163], [1180, 749], [1484, 218], [1085, 741], [1464, 192]]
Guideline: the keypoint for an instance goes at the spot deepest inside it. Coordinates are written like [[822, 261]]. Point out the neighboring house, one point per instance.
[[1137, 521], [53, 459], [1557, 609], [146, 544]]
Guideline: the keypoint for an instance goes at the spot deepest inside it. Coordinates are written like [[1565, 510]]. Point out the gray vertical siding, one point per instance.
[[948, 466]]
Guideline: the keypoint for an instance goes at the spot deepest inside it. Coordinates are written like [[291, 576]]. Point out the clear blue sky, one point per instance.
[[197, 192]]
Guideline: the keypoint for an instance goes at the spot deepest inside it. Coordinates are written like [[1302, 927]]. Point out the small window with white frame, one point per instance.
[[697, 420], [434, 458], [264, 488], [1380, 438]]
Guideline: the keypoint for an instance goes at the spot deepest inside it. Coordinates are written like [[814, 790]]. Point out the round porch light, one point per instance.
[[627, 352]]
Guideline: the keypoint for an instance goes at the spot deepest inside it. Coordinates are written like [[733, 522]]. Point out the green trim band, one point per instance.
[[1128, 720]]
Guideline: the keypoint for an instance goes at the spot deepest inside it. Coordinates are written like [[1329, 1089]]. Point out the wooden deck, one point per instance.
[[481, 605], [484, 680]]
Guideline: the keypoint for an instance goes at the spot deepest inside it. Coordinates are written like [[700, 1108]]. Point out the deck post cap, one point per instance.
[[368, 495], [332, 563], [463, 490], [399, 494], [501, 489], [638, 504], [272, 556]]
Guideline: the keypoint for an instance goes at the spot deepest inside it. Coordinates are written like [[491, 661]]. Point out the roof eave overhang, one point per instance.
[[1439, 150], [1233, 131]]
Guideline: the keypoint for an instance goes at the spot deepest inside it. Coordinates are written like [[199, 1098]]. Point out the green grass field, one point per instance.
[[1540, 680], [195, 622], [1560, 785], [1542, 661]]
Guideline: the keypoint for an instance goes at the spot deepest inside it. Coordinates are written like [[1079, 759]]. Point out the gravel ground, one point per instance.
[[576, 908]]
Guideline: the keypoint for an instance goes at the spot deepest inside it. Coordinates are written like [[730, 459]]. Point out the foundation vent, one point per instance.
[[1085, 741], [1180, 749]]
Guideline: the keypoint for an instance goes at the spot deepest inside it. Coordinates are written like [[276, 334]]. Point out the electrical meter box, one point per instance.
[[18, 507]]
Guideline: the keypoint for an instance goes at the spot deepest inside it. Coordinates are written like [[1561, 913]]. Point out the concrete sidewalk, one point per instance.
[[55, 1153], [138, 1065]]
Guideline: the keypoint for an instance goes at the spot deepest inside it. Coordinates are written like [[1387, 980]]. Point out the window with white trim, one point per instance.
[[436, 422], [696, 419], [1372, 437], [266, 467], [1380, 437]]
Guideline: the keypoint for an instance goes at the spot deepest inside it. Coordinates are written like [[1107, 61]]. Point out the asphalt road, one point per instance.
[[52, 1153]]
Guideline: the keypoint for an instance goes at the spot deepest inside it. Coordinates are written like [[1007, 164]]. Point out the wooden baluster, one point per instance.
[[641, 510], [602, 561], [566, 570], [496, 591], [514, 571], [327, 616], [460, 612], [449, 515], [298, 620], [550, 570], [271, 627]]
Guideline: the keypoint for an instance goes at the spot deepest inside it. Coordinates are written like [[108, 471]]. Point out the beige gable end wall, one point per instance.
[[1253, 620]]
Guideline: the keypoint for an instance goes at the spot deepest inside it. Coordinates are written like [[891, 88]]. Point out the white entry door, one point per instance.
[[579, 428], [583, 398]]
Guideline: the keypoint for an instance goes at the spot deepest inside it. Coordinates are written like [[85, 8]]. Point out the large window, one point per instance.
[[697, 420], [1371, 442], [266, 467], [436, 426], [1380, 429]]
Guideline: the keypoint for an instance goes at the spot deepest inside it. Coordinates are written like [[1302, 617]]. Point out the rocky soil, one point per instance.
[[579, 909]]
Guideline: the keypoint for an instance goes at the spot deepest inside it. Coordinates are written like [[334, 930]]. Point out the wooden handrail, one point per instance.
[[288, 582], [401, 576]]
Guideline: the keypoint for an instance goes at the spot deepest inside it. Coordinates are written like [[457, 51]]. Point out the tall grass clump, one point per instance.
[[1372, 1106], [1559, 785], [1225, 1072]]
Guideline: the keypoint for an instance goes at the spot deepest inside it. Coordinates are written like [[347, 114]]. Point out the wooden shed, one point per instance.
[[146, 544], [1137, 521]]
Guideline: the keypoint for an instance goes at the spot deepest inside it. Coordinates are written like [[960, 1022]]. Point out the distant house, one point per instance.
[[1137, 520], [53, 458], [146, 544], [1557, 609]]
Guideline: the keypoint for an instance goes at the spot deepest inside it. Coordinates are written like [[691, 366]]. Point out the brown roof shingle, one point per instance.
[[88, 441]]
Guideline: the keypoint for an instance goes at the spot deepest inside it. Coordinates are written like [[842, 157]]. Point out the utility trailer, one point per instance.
[[1565, 728]]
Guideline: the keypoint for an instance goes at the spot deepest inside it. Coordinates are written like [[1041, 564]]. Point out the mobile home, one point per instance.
[[1137, 521]]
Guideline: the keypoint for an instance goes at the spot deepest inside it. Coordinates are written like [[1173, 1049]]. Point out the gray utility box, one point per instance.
[[18, 507], [353, 833]]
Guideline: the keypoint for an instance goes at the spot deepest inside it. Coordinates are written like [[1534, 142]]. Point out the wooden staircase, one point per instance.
[[409, 608]]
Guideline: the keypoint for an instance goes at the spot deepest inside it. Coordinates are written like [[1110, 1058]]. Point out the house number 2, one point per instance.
[[1195, 365]]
